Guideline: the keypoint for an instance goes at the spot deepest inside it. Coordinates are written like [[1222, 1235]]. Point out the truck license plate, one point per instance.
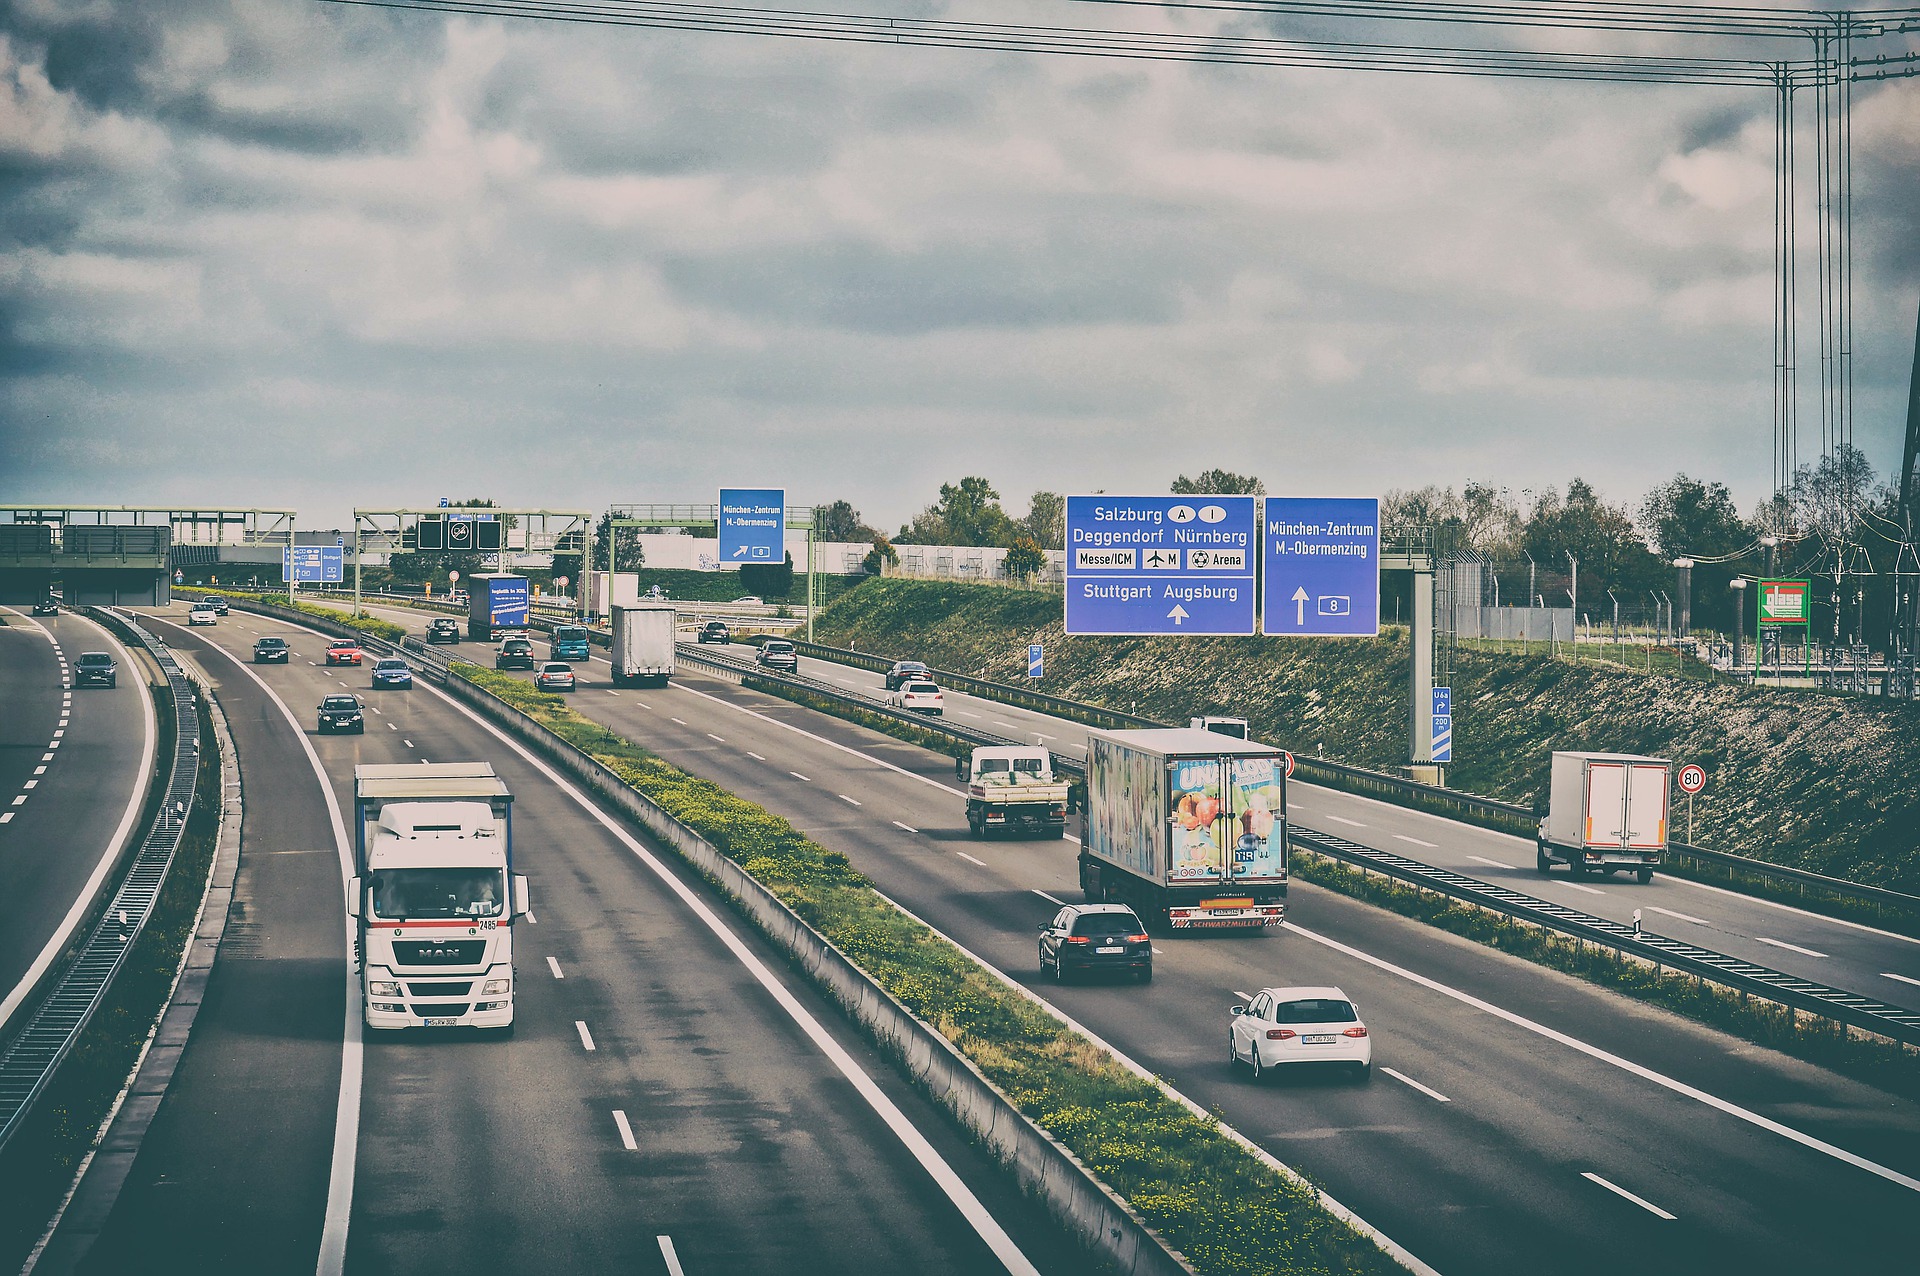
[[1109, 950], [448, 1023], [1317, 1039]]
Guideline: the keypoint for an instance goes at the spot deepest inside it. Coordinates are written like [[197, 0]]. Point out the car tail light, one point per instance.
[[1077, 939], [1136, 939], [1358, 1030], [1281, 1034]]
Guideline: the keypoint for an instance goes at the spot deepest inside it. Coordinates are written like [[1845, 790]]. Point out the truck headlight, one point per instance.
[[382, 988], [496, 988]]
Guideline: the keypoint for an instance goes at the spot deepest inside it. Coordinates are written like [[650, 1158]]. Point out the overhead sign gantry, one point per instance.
[[484, 529]]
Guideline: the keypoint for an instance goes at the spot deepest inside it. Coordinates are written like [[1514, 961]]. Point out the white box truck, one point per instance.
[[643, 644], [1187, 826], [1605, 812], [434, 895]]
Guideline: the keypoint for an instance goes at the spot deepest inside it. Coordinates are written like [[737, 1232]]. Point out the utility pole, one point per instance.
[[1573, 593]]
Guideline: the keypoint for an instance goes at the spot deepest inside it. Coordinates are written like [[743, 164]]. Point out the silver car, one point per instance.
[[1283, 1026]]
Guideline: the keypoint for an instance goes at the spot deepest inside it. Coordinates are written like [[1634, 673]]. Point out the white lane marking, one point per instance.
[[1588, 889], [1481, 859], [796, 775], [586, 1038], [33, 784], [626, 1131], [1905, 979], [943, 1175], [57, 734], [1624, 1064], [1429, 1091], [1341, 819], [909, 828], [346, 1119], [1402, 837], [46, 757], [1789, 908], [822, 740], [6, 817], [667, 1256], [963, 855], [532, 920], [1617, 1190], [647, 707], [52, 744], [963, 713], [612, 692], [554, 966], [314, 663], [681, 721], [41, 770], [393, 726], [1792, 948], [712, 736], [21, 801], [1244, 996], [408, 743], [850, 801], [1685, 917], [756, 757], [1002, 722], [376, 709], [1050, 899]]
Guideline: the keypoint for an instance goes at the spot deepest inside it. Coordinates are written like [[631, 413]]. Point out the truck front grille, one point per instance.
[[439, 1009], [438, 952], [418, 989]]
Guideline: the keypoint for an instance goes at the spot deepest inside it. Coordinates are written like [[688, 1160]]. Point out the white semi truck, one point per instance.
[[1187, 826], [1606, 812], [643, 643], [435, 895], [1012, 790]]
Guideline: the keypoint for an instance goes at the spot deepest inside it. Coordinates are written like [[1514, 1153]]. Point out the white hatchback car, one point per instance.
[[921, 697], [1283, 1026], [202, 614]]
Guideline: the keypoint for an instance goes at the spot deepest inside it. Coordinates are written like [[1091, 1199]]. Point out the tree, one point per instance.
[[1046, 520], [566, 562], [768, 580], [1602, 537], [1025, 557], [841, 522], [1685, 516], [879, 557], [1481, 518], [1219, 483], [967, 513]]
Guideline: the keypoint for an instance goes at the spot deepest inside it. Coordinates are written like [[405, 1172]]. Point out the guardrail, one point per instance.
[[1833, 1003], [1508, 817], [48, 1035]]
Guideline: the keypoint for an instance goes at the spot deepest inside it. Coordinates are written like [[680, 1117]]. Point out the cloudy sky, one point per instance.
[[291, 253]]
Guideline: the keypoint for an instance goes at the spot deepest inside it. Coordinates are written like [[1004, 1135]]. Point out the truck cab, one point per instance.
[[1234, 727], [1012, 789], [435, 896]]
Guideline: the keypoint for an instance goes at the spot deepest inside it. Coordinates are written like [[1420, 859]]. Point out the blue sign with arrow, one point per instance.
[[1443, 724], [753, 525], [1160, 565], [312, 564], [1322, 566]]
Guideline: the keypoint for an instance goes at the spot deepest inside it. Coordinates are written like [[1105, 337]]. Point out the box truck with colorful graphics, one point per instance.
[[434, 895], [1187, 826], [1606, 812]]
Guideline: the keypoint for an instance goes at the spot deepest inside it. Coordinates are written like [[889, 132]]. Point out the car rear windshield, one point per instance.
[[923, 688], [1107, 924], [339, 702], [908, 666], [556, 669], [779, 648], [570, 633], [516, 644], [1315, 1010]]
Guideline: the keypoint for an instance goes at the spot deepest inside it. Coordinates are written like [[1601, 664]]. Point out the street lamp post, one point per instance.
[[1740, 623]]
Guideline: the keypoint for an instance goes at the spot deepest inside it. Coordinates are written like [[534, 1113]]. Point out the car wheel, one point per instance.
[[1259, 1073], [1059, 970], [1644, 876], [1233, 1054], [114, 681], [1363, 1072], [1146, 975], [1541, 862]]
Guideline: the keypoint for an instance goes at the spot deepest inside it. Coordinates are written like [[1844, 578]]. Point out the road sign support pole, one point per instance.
[[1420, 630], [356, 568], [810, 599]]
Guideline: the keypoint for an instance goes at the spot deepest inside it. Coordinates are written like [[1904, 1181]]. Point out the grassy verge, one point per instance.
[[1223, 1208], [39, 1162], [365, 624], [1816, 1040]]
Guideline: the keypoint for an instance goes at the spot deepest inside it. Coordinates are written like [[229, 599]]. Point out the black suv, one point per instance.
[[514, 653], [905, 671], [218, 604], [95, 666], [46, 607], [1096, 937], [778, 653], [443, 629], [341, 713], [716, 631], [266, 650]]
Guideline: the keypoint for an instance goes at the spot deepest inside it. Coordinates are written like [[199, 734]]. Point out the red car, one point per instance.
[[343, 651]]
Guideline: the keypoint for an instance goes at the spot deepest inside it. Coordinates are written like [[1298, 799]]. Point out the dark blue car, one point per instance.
[[392, 672]]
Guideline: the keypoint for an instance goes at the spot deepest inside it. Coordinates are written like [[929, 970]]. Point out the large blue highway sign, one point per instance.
[[312, 564], [753, 525], [1322, 566], [1160, 564]]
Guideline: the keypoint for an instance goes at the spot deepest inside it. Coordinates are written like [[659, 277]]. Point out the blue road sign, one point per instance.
[[1443, 724], [1036, 660], [753, 525], [1322, 566], [1160, 564], [312, 564]]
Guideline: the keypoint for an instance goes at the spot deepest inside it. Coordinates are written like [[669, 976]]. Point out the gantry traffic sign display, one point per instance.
[[1322, 566], [753, 525], [1145, 565]]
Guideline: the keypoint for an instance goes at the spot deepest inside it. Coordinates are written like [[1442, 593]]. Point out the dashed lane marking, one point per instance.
[[1792, 948], [969, 859], [909, 828], [1429, 1091], [796, 775], [1617, 1190], [626, 1131], [1050, 899], [554, 966], [1481, 859], [586, 1038]]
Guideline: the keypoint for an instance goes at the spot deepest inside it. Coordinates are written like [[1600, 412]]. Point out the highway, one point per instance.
[[1519, 1120], [671, 1100], [73, 763]]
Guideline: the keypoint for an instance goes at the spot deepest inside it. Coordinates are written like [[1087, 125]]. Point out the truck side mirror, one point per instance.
[[522, 896], [353, 897]]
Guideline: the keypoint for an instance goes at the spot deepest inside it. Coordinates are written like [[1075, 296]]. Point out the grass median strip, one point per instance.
[[1223, 1208], [365, 624]]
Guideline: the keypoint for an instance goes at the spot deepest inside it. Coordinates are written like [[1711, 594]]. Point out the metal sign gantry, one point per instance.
[[383, 530], [705, 518]]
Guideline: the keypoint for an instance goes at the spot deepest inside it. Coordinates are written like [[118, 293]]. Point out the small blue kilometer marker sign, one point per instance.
[[753, 525], [1035, 660], [1322, 566], [1160, 565], [1443, 724]]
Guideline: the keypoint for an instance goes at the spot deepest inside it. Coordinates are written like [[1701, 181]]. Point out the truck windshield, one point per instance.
[[419, 893]]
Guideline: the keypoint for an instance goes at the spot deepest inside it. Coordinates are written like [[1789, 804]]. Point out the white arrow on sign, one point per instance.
[[1178, 613], [1300, 606], [742, 551]]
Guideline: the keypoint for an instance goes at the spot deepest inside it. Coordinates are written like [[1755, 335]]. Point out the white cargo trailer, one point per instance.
[[643, 644], [1606, 812]]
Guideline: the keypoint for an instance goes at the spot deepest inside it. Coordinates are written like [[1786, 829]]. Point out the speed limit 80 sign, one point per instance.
[[1692, 779]]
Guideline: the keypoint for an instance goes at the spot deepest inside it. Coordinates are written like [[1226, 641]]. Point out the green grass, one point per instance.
[[365, 624], [1212, 1199]]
